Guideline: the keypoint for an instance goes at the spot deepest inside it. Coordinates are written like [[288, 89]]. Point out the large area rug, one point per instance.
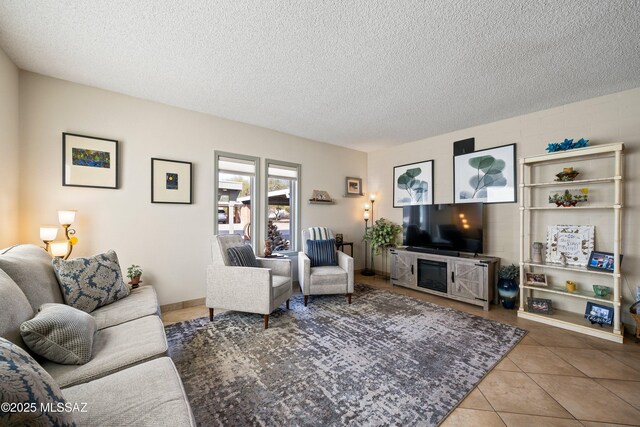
[[386, 359]]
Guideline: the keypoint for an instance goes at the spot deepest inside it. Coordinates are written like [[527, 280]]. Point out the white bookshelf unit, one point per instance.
[[531, 205]]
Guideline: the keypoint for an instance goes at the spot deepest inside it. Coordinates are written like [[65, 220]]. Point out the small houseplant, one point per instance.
[[508, 285], [383, 234], [134, 272]]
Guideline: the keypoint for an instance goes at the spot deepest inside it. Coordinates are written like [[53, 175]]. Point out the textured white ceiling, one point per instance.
[[363, 74]]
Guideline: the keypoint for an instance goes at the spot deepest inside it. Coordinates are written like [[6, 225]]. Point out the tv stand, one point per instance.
[[463, 278], [433, 251]]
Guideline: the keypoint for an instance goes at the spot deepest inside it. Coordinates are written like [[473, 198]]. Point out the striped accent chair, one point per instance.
[[328, 278], [252, 289]]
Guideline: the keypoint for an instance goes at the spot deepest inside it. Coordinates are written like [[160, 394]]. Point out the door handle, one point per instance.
[[453, 277]]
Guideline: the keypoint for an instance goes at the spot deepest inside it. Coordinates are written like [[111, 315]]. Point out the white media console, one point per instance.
[[469, 279]]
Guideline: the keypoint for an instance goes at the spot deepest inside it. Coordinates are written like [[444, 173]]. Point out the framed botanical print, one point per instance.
[[89, 161], [171, 181], [413, 184], [487, 176]]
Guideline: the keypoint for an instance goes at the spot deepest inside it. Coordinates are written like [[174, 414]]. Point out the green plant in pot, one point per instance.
[[508, 287], [133, 273], [383, 234]]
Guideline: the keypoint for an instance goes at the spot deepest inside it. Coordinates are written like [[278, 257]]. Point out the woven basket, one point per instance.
[[636, 317]]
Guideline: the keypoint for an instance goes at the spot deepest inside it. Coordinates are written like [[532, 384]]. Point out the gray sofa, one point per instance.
[[129, 379]]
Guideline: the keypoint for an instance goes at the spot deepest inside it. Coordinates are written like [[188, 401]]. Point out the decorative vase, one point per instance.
[[508, 291], [536, 252]]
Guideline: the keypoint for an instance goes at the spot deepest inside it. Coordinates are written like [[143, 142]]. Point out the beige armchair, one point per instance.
[[248, 289], [335, 279]]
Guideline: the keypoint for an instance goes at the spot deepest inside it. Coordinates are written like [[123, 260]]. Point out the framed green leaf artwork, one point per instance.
[[487, 176], [413, 184]]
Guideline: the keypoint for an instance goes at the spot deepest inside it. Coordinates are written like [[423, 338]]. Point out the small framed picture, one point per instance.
[[171, 181], [540, 305], [602, 261], [600, 314], [353, 186], [88, 161], [535, 279]]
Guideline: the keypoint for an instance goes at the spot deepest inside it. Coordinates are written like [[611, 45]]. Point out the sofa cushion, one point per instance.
[[14, 309], [322, 252], [141, 302], [115, 348], [30, 267], [280, 284], [24, 382], [148, 394], [319, 233], [89, 283], [328, 276], [242, 256], [60, 333]]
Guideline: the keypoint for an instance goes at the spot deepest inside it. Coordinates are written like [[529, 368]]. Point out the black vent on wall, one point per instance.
[[464, 146]]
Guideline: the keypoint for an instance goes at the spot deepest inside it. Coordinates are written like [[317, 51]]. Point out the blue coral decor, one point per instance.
[[567, 144]]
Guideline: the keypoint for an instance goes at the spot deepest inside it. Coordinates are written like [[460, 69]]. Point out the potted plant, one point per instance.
[[134, 272], [383, 234], [508, 285]]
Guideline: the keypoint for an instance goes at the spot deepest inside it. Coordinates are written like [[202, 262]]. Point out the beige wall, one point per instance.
[[606, 119], [170, 242], [9, 143]]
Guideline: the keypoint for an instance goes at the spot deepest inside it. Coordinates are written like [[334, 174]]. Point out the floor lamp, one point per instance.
[[366, 271]]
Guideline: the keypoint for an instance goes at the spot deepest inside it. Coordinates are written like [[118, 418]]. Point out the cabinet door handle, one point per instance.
[[411, 268], [453, 277]]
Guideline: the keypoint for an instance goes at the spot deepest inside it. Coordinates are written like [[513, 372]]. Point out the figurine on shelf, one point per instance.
[[563, 259], [536, 252], [267, 248]]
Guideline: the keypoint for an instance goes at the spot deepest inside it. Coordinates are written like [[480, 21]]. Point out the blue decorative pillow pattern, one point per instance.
[[322, 252], [89, 283], [28, 389], [242, 256]]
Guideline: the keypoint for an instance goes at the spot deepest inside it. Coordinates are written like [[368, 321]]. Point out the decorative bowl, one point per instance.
[[567, 176], [601, 291]]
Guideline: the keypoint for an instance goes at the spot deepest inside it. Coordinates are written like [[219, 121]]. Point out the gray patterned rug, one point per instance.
[[387, 359]]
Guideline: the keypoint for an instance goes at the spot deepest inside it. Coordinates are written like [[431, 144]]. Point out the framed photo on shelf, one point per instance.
[[535, 279], [88, 161], [413, 184], [570, 244], [171, 181], [602, 261], [540, 305], [487, 176], [600, 314], [353, 186]]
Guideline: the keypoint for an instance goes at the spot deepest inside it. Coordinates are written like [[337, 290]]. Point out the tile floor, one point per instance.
[[551, 378]]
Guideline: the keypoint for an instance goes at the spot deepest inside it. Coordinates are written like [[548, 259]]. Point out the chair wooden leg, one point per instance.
[[349, 298], [287, 304], [210, 314], [306, 300], [266, 321]]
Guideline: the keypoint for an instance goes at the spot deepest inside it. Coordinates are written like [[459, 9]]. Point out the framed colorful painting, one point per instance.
[[171, 181], [88, 161]]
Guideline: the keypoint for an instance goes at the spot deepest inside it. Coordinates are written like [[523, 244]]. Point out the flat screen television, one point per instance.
[[451, 228]]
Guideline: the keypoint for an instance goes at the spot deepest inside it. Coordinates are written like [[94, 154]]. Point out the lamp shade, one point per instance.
[[59, 249], [48, 233], [66, 217], [372, 197], [366, 214]]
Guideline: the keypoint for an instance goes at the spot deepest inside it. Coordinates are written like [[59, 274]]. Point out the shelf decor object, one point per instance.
[[567, 144], [602, 261], [570, 243], [88, 161], [574, 242], [540, 305], [413, 184], [536, 279], [321, 197], [487, 176], [567, 174], [171, 181], [569, 198]]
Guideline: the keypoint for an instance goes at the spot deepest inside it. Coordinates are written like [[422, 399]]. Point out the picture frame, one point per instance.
[[535, 279], [89, 161], [600, 314], [570, 244], [171, 181], [487, 175], [353, 187], [413, 184], [540, 305], [602, 261]]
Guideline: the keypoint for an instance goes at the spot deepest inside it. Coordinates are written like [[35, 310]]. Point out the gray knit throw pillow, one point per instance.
[[89, 283], [60, 333]]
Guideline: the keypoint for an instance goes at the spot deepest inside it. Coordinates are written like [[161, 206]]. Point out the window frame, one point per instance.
[[294, 194]]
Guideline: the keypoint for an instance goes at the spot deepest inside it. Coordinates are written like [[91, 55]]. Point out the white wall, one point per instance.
[[9, 143], [605, 119], [170, 242]]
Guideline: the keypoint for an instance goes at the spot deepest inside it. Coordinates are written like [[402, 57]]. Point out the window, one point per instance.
[[236, 195], [283, 208]]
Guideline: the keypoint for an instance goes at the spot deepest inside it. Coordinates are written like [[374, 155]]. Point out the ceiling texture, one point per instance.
[[361, 74]]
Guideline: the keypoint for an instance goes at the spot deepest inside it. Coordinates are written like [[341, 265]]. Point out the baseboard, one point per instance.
[[182, 304]]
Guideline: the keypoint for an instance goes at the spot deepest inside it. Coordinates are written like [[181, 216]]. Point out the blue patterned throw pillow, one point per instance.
[[242, 256], [322, 252], [29, 396], [89, 283]]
